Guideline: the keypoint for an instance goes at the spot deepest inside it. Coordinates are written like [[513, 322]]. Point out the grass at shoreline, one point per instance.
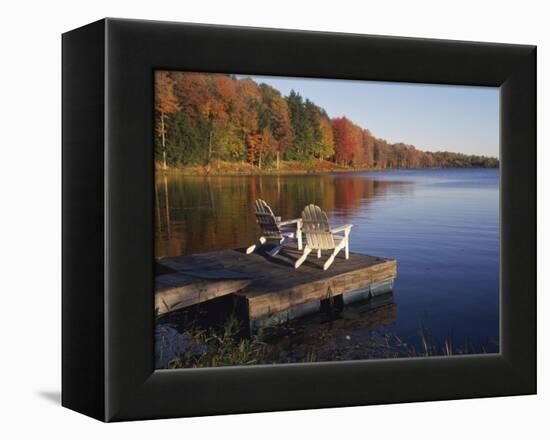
[[219, 346], [285, 168], [225, 345], [240, 169]]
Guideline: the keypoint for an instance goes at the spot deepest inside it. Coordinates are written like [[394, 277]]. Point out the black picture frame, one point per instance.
[[108, 172]]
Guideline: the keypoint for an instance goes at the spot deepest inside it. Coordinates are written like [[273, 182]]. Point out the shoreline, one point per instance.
[[287, 168]]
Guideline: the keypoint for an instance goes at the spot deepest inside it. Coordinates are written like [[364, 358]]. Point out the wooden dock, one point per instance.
[[269, 288]]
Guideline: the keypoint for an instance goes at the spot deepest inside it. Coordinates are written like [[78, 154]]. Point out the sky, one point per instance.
[[431, 117]]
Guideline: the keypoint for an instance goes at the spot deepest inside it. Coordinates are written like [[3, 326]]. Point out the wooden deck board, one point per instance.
[[275, 285], [174, 291]]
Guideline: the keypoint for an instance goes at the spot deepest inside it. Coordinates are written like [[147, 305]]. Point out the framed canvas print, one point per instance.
[[262, 219]]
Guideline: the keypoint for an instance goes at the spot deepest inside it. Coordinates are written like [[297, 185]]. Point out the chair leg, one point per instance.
[[300, 260], [347, 249], [333, 255], [299, 237], [256, 245], [318, 253], [330, 260]]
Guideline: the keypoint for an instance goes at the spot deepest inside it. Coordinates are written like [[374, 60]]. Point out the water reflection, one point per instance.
[[360, 332], [199, 214]]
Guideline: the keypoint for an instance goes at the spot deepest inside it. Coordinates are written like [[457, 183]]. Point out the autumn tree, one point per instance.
[[165, 104], [326, 147], [347, 140], [228, 141], [192, 92], [358, 155], [247, 110], [262, 146], [224, 142], [254, 147]]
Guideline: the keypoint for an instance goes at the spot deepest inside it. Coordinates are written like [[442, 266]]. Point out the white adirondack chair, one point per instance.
[[274, 230], [320, 237]]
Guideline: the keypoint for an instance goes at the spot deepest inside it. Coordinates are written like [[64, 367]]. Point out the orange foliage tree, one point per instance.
[[165, 104], [347, 141]]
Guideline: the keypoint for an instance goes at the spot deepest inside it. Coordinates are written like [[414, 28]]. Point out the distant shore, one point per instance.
[[285, 168]]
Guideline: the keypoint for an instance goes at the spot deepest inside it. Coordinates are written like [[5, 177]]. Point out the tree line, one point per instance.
[[201, 118]]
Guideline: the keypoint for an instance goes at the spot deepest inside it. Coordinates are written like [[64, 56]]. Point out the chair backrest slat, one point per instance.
[[316, 227], [266, 220]]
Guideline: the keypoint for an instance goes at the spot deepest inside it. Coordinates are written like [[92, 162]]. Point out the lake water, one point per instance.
[[442, 226]]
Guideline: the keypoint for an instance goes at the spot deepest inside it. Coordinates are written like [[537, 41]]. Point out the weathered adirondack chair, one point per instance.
[[274, 230], [319, 236]]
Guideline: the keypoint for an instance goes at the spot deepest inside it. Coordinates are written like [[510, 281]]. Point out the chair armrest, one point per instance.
[[341, 229], [290, 222]]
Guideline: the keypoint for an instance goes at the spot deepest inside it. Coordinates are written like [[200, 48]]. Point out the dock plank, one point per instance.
[[174, 291], [273, 284]]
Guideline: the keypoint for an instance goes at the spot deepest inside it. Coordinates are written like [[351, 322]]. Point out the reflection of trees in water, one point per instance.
[[355, 336], [200, 214]]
